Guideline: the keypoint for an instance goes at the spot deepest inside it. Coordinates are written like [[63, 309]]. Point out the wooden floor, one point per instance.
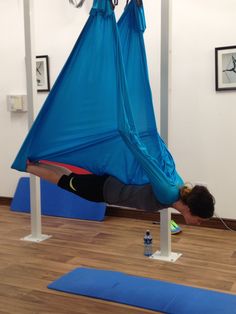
[[209, 261]]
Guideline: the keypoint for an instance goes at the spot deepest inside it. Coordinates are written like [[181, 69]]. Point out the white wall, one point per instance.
[[202, 121], [12, 80], [202, 132]]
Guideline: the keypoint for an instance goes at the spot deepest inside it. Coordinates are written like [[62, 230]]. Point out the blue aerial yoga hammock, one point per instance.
[[99, 114]]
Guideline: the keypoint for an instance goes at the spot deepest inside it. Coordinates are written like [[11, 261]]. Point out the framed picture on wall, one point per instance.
[[42, 74], [225, 68]]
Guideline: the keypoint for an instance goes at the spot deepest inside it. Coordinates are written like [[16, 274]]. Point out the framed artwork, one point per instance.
[[225, 68], [42, 74]]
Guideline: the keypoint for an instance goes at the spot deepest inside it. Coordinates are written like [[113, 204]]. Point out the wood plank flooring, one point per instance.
[[208, 261]]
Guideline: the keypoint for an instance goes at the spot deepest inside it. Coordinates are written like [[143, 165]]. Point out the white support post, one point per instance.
[[35, 204], [165, 253], [165, 232], [165, 94]]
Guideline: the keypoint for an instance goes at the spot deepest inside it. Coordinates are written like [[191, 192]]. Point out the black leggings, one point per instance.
[[87, 186]]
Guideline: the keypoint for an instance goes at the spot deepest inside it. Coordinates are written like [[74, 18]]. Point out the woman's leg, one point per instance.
[[60, 170], [89, 186], [48, 172]]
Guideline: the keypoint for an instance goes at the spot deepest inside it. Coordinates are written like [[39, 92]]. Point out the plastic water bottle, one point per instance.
[[147, 243]]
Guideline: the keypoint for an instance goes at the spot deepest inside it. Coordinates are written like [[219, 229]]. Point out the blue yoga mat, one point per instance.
[[57, 202], [144, 292]]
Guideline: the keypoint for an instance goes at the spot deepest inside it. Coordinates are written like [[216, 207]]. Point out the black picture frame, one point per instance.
[[42, 73], [225, 68]]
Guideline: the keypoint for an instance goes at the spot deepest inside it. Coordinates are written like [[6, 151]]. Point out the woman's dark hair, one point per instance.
[[199, 200]]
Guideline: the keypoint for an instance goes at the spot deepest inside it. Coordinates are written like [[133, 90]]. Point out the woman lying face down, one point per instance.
[[196, 204]]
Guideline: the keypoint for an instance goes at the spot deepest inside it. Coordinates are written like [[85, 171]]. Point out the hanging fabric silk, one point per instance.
[[99, 114], [144, 140]]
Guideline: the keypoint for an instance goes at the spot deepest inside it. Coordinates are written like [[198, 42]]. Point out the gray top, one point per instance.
[[134, 196]]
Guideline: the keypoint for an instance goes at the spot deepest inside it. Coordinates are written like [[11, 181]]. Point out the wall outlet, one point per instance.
[[17, 103]]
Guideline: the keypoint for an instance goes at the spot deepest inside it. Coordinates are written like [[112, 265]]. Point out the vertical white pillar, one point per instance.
[[35, 203], [165, 232], [165, 235], [165, 67], [165, 253], [166, 27]]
